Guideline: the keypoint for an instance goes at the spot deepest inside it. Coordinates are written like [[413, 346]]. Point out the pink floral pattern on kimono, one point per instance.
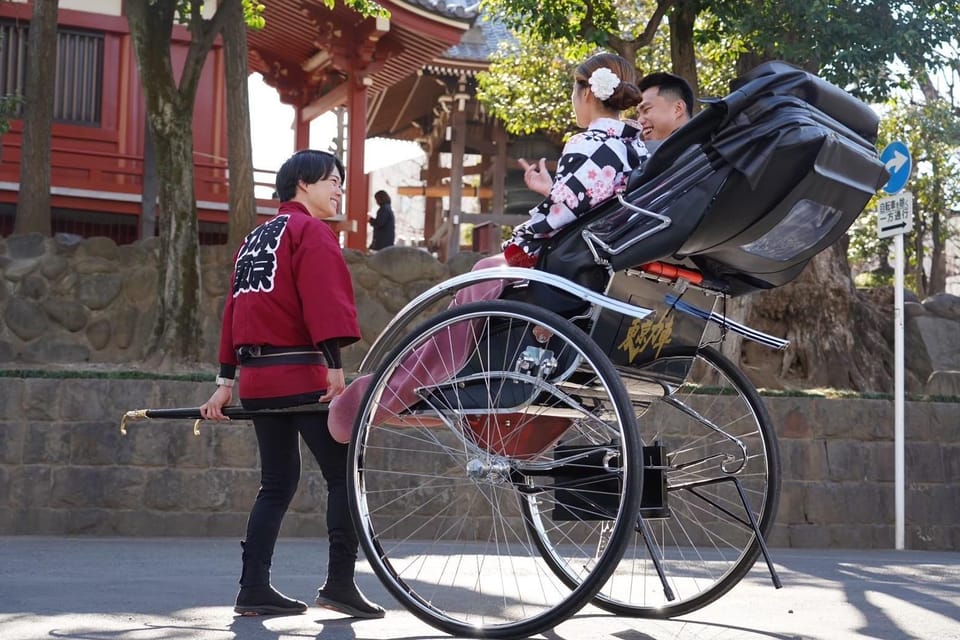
[[593, 167]]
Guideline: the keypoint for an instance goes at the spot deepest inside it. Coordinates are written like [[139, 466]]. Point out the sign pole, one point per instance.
[[898, 375], [895, 218]]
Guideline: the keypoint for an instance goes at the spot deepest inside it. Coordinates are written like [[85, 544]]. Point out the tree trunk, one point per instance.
[[243, 203], [682, 53], [176, 336], [839, 337], [938, 258], [33, 201]]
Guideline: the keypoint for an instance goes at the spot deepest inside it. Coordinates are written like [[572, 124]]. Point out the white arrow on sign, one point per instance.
[[896, 162]]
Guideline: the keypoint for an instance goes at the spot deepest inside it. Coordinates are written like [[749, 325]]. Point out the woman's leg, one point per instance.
[[279, 446], [339, 591]]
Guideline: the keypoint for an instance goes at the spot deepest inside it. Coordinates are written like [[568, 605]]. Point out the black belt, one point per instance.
[[256, 355]]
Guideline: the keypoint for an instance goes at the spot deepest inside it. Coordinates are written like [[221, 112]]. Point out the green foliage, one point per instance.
[[869, 47], [9, 104], [548, 20], [852, 43], [932, 132], [528, 84], [253, 10]]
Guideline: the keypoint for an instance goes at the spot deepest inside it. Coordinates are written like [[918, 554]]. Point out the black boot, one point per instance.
[[346, 598], [257, 597], [340, 592]]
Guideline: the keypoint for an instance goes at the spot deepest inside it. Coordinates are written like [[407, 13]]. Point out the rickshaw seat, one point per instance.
[[753, 187]]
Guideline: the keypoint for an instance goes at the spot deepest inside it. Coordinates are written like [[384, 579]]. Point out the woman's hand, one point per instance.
[[212, 409], [335, 385], [536, 176]]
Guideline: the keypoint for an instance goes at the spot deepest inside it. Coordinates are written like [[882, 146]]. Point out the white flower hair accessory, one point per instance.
[[603, 83]]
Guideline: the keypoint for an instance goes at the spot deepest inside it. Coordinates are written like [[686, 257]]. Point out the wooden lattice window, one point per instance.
[[78, 80]]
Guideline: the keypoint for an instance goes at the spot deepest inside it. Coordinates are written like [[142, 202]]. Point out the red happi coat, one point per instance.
[[290, 287]]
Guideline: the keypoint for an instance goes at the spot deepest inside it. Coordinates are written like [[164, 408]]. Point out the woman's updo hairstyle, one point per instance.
[[626, 94]]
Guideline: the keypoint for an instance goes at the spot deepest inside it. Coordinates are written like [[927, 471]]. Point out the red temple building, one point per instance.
[[410, 76]]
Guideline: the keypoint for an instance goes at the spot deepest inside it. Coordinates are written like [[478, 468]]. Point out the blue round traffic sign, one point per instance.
[[896, 158]]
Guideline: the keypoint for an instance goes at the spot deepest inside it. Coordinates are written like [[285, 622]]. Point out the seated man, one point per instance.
[[667, 104]]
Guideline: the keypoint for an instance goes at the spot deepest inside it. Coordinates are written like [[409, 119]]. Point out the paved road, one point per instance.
[[183, 588]]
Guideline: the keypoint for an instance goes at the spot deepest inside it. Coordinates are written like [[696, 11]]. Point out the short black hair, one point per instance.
[[673, 85], [382, 197], [309, 166]]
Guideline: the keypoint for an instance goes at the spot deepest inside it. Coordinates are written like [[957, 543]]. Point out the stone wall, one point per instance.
[[66, 469], [72, 302], [68, 303]]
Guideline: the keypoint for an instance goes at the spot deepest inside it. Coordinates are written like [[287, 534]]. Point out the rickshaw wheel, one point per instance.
[[511, 401], [698, 527]]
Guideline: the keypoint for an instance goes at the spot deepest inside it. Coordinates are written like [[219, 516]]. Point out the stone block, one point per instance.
[[853, 503], [98, 334], [932, 504], [802, 459], [124, 489], [53, 266], [99, 246], [25, 318], [56, 347], [32, 521], [808, 536], [880, 465], [311, 496], [93, 264], [92, 522], [940, 339], [943, 383], [227, 525], [97, 290], [778, 537], [33, 287], [944, 305], [93, 443], [140, 286], [12, 436], [406, 264], [462, 262], [46, 443], [859, 536], [30, 486], [847, 461], [69, 314], [235, 448], [79, 487], [19, 270], [168, 489], [304, 525], [932, 537], [26, 245], [180, 523], [794, 423], [951, 463], [792, 498], [923, 462], [372, 316], [220, 491], [41, 399]]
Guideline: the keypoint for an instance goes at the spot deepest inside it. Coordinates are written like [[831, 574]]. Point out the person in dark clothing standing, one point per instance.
[[383, 223], [289, 310]]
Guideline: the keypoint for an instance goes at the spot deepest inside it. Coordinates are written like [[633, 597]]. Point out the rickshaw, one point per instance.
[[581, 438]]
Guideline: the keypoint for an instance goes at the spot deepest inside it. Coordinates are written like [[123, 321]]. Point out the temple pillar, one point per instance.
[[457, 150], [358, 189]]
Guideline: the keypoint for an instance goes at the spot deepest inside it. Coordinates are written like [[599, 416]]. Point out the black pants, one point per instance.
[[278, 439]]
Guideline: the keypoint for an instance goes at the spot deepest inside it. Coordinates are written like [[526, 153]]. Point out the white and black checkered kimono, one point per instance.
[[594, 166]]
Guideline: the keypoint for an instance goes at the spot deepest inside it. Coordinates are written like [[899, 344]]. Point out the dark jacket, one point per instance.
[[384, 234]]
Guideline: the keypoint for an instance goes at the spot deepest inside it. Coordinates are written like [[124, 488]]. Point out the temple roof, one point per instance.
[[306, 50]]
